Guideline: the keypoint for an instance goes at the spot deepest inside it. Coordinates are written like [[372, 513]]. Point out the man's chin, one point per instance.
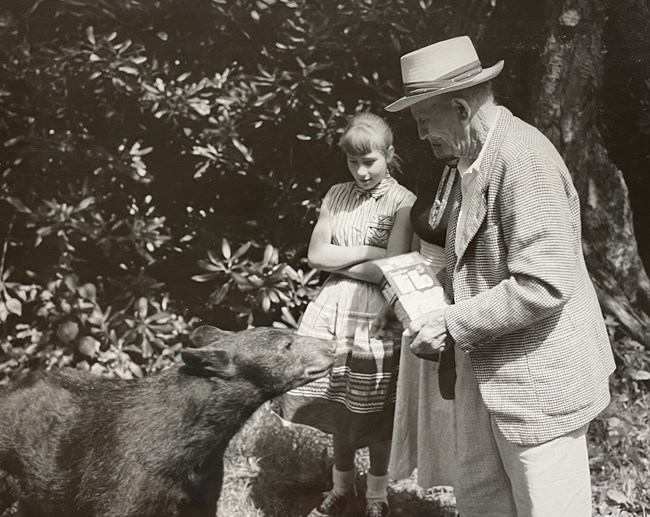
[[442, 154], [440, 151]]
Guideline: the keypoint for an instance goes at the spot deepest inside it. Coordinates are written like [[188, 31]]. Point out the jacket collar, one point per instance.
[[477, 207]]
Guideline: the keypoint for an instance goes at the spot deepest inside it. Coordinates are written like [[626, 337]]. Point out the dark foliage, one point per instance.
[[146, 144]]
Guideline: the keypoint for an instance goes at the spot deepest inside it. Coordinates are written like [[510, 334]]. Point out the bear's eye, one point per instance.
[[287, 345]]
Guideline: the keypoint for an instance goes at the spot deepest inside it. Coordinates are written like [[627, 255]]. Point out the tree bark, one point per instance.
[[565, 107]]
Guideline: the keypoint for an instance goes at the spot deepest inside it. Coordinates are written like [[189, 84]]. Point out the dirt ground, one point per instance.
[[406, 499]]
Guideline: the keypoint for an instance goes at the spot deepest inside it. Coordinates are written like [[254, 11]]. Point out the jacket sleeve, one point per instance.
[[535, 216]]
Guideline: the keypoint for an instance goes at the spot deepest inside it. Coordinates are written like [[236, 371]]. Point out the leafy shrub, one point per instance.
[[136, 138], [246, 285], [70, 327]]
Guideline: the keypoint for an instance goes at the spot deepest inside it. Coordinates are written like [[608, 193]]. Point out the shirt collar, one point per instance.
[[375, 192]]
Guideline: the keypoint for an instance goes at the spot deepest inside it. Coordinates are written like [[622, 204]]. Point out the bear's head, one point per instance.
[[274, 360]]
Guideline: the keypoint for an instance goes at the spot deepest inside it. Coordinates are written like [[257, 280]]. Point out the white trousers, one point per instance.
[[499, 479]]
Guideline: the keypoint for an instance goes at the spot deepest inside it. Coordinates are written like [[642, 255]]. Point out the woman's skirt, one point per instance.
[[424, 434]]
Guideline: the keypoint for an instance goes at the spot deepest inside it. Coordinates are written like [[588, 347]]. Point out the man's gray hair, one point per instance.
[[476, 95], [479, 93]]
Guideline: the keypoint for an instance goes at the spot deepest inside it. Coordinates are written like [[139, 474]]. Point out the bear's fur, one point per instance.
[[78, 445]]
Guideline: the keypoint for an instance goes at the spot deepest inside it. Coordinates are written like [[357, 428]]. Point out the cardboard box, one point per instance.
[[412, 285]]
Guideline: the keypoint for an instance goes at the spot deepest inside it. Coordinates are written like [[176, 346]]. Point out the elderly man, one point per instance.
[[532, 351]]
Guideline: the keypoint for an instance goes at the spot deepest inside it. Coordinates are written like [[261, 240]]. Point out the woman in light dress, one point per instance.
[[424, 434]]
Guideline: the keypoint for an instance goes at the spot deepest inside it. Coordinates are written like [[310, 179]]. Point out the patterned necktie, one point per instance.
[[442, 194]]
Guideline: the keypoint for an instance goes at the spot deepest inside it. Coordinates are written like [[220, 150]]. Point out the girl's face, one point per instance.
[[369, 169]]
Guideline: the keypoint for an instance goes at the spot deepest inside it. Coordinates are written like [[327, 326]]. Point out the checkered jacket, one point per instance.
[[524, 306]]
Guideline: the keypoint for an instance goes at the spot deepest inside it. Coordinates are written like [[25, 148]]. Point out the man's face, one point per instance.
[[440, 126]]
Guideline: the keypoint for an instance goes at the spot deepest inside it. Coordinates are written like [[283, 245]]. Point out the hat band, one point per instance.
[[459, 74]]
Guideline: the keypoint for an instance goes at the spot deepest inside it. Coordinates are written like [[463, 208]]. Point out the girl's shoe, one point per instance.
[[377, 509], [332, 505]]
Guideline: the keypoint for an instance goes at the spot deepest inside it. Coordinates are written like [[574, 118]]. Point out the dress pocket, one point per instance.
[[378, 231]]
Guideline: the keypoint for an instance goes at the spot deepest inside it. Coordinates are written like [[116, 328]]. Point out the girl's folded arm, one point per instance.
[[324, 255], [399, 241]]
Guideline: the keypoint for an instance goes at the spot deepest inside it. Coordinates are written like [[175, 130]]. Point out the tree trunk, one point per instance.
[[553, 79], [565, 107]]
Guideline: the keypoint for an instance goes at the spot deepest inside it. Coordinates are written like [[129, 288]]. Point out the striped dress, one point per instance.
[[357, 399]]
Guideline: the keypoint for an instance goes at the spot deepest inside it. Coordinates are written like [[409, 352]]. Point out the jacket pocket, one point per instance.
[[566, 370]]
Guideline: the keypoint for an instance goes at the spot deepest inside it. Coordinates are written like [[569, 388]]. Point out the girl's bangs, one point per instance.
[[360, 140]]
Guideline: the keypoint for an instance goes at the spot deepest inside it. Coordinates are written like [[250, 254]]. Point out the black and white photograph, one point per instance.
[[324, 258]]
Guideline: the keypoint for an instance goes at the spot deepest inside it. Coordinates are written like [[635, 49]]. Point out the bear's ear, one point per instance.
[[209, 362], [206, 334]]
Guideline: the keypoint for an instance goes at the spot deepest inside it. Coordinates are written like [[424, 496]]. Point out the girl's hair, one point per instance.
[[365, 133]]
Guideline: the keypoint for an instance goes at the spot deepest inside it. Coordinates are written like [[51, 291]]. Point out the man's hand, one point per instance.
[[431, 336]]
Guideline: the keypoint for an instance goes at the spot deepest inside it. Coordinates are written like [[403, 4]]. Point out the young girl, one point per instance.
[[360, 221]]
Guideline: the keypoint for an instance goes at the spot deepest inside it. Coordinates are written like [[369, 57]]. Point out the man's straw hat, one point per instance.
[[443, 67]]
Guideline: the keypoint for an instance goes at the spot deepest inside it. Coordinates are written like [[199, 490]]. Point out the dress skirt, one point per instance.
[[424, 434], [357, 399]]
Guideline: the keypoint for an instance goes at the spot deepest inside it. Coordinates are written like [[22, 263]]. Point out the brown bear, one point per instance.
[[73, 444]]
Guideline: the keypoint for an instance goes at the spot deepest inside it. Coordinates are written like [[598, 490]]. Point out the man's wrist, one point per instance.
[[464, 348], [444, 315]]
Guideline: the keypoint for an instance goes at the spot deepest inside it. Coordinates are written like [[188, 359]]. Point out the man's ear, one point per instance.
[[461, 109], [206, 334], [210, 363]]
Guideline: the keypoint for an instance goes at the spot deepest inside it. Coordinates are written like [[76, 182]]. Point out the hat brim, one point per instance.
[[485, 75]]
